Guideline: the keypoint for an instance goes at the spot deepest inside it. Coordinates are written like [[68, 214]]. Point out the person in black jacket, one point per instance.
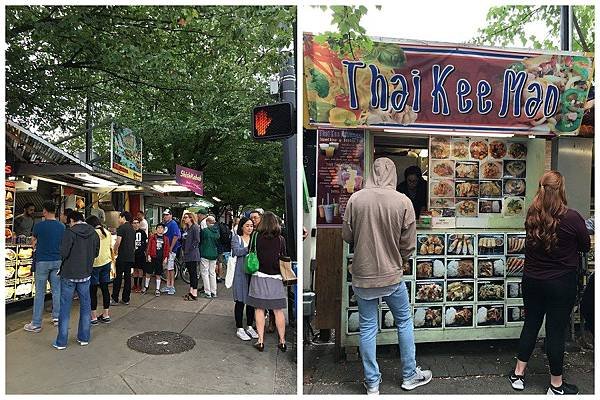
[[415, 187], [79, 247]]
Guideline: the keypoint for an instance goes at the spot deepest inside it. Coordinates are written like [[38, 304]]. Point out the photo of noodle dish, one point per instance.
[[514, 169], [490, 188], [514, 187], [491, 170], [467, 170], [466, 208], [442, 188], [442, 168], [440, 148], [460, 149]]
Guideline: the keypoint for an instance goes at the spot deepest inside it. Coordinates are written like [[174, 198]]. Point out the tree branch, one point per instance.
[[584, 44]]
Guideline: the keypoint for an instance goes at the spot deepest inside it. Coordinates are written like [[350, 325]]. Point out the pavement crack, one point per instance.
[[127, 384]]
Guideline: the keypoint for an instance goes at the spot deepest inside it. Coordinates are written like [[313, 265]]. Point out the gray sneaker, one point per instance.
[[372, 389], [420, 378]]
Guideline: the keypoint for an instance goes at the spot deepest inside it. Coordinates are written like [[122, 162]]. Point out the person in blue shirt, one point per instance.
[[173, 233], [47, 236]]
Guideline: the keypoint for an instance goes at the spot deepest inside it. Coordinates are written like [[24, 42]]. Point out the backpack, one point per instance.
[[224, 234]]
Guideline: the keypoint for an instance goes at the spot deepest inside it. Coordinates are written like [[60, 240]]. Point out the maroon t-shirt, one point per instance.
[[268, 251], [573, 237]]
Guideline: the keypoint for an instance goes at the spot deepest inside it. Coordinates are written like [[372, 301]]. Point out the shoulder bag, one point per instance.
[[285, 267], [251, 263]]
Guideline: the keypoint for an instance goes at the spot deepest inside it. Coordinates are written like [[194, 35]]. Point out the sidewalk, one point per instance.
[[219, 363], [458, 368]]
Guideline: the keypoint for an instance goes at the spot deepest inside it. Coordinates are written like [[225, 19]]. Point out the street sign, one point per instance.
[[273, 121]]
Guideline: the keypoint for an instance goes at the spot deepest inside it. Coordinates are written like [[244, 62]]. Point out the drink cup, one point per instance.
[[335, 145], [329, 213], [321, 211], [358, 181], [329, 151], [336, 209]]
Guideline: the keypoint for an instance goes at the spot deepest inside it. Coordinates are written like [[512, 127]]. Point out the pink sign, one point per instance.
[[190, 178]]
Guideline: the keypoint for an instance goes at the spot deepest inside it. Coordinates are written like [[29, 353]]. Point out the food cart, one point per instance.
[[476, 121]]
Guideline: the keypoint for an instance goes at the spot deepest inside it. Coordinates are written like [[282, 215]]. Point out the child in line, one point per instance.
[[158, 254]]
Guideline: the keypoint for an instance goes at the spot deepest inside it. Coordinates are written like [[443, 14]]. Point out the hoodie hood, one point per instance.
[[383, 174], [83, 230], [214, 228]]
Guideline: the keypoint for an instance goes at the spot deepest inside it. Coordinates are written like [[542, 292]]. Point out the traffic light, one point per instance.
[[273, 121]]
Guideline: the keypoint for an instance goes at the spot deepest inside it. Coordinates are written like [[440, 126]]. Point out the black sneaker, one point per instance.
[[104, 320], [517, 381], [125, 302], [94, 322], [565, 388]]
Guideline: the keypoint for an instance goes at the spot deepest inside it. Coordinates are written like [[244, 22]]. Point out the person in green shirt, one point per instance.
[[208, 260]]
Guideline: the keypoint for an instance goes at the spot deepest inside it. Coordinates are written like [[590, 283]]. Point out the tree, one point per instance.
[[184, 78], [507, 23]]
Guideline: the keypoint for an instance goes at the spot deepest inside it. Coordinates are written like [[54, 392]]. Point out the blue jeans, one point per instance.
[[44, 271], [67, 288], [399, 305]]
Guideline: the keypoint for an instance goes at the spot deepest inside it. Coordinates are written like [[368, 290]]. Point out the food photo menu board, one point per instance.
[[472, 177], [9, 209], [340, 172]]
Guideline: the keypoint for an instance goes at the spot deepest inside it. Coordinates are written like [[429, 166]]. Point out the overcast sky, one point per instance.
[[447, 22]]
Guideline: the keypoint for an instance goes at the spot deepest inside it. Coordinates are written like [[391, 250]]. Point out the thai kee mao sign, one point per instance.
[[190, 178], [446, 87]]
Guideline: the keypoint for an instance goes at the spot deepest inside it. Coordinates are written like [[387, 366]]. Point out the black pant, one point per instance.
[[192, 268], [105, 296], [555, 299], [587, 305], [239, 314], [123, 272]]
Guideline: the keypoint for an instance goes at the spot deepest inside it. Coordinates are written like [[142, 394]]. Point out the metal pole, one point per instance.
[[566, 27], [88, 131], [288, 93]]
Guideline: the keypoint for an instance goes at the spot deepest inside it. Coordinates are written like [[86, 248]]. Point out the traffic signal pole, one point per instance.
[[288, 93]]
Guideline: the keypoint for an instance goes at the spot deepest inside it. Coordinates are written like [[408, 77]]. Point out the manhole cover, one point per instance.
[[161, 342]]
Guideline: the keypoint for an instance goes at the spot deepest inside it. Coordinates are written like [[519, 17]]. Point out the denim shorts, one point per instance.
[[100, 274]]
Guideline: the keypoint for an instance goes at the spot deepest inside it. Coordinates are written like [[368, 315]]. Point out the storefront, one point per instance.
[[477, 123]]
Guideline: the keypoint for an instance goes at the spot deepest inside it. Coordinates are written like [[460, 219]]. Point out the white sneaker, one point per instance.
[[250, 331], [372, 389], [241, 333], [81, 342], [420, 378]]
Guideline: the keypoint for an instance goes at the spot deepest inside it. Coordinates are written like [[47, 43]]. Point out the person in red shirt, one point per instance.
[[157, 256]]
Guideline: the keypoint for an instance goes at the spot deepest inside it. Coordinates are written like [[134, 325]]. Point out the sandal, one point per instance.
[[189, 297]]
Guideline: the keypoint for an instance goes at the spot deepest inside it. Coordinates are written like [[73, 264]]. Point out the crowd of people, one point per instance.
[[76, 256]]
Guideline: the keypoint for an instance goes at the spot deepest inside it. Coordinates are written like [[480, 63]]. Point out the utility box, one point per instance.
[[572, 157]]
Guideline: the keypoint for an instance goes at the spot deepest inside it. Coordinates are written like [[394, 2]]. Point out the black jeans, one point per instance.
[[239, 314], [105, 296], [192, 268], [123, 272], [555, 299]]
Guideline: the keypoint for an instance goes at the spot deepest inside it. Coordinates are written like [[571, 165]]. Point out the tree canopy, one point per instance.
[[184, 78], [505, 24]]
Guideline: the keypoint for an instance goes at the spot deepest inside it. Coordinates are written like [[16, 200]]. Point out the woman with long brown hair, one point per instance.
[[191, 253], [555, 236], [266, 286]]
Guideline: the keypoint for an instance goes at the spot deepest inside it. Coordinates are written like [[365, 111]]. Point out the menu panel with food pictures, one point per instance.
[[9, 207], [19, 280], [472, 177], [340, 173]]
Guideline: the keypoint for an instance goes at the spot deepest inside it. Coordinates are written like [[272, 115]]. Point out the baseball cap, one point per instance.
[[202, 210], [167, 211]]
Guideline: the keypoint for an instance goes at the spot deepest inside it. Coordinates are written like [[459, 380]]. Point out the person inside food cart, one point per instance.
[[23, 224], [415, 188], [555, 236], [380, 223]]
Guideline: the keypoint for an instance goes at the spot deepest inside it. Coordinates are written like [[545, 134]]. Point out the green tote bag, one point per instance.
[[251, 265]]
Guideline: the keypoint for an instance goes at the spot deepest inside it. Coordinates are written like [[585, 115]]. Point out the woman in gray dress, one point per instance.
[[241, 280]]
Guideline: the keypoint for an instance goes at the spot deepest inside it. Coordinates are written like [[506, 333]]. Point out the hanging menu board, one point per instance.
[[340, 172], [473, 177]]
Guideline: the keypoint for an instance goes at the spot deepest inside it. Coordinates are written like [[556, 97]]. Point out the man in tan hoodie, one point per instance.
[[380, 223]]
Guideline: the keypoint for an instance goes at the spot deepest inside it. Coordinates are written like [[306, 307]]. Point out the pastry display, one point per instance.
[[459, 291], [24, 289], [9, 272], [10, 292], [458, 316], [461, 244], [431, 244], [25, 253], [428, 317], [460, 268], [24, 271], [10, 255], [490, 290], [9, 196]]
